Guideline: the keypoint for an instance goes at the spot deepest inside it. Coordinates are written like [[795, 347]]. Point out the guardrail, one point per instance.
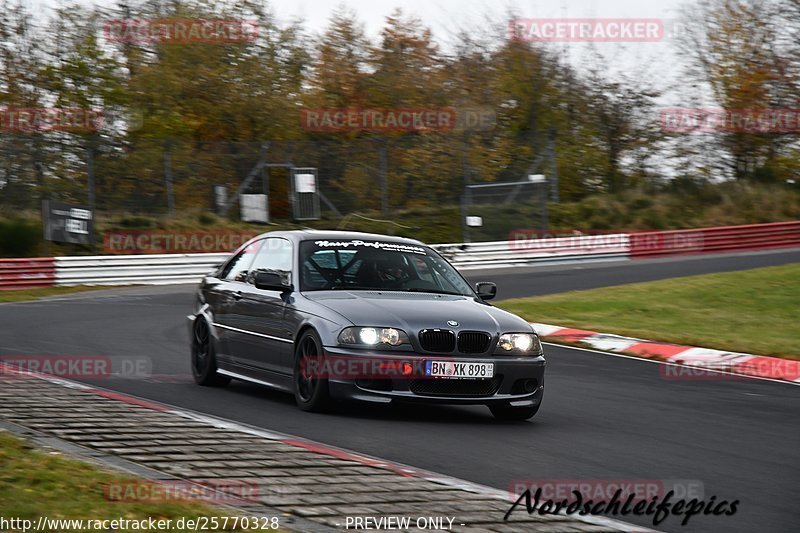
[[166, 269], [723, 239], [163, 269], [27, 273], [537, 251]]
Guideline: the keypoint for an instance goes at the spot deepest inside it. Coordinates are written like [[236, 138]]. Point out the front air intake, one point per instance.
[[473, 342], [437, 340], [455, 387]]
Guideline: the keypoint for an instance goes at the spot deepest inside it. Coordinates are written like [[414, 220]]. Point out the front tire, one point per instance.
[[310, 392], [204, 360], [507, 412]]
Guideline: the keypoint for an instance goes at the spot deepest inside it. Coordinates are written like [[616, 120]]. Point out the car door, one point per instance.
[[263, 340], [232, 280]]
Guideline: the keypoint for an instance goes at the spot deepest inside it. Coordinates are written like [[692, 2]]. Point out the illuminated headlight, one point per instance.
[[368, 336], [522, 343], [373, 336]]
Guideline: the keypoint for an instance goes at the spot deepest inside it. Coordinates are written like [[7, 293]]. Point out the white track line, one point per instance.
[[644, 360]]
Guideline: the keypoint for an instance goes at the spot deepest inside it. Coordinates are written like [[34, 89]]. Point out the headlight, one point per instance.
[[519, 343], [368, 336], [373, 336]]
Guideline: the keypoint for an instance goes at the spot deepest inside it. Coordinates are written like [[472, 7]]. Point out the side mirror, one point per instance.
[[266, 280], [486, 290]]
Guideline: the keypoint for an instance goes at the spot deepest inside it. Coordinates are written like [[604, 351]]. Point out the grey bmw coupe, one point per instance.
[[339, 315]]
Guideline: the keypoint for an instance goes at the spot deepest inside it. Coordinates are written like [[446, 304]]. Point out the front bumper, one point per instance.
[[518, 381]]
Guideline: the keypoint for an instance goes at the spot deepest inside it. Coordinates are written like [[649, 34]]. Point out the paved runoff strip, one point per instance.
[[310, 487], [694, 360]]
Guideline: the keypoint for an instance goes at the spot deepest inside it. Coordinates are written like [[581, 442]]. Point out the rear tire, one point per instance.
[[204, 360], [507, 412], [311, 393]]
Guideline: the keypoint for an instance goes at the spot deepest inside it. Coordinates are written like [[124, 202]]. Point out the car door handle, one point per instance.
[[237, 295]]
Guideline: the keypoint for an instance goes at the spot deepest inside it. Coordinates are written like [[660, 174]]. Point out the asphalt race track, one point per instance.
[[604, 417]]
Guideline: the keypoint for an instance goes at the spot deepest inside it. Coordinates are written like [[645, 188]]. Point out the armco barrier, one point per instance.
[[166, 269], [135, 269], [537, 251], [27, 273], [720, 240]]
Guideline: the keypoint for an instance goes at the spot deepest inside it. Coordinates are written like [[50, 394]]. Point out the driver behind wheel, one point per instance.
[[383, 271], [392, 269]]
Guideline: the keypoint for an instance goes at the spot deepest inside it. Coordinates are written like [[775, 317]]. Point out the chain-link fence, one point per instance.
[[491, 211], [379, 177]]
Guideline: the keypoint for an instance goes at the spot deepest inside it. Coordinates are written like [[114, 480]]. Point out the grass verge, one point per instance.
[[36, 483], [752, 311]]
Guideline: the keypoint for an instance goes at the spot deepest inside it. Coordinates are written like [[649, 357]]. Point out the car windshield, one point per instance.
[[375, 265]]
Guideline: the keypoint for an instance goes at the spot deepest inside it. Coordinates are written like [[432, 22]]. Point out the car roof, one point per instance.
[[312, 234]]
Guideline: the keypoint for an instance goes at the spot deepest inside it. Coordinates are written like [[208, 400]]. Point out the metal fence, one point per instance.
[[490, 210], [379, 174]]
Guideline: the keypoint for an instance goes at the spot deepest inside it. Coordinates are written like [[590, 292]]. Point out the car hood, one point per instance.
[[415, 311]]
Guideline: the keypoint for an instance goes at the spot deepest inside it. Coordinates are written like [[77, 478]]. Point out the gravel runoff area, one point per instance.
[[309, 486]]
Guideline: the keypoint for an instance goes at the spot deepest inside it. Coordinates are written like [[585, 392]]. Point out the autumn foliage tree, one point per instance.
[[180, 117]]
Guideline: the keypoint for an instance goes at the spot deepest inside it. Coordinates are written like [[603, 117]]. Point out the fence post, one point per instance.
[[90, 179], [466, 195], [466, 202], [168, 177], [551, 149], [90, 172], [383, 176]]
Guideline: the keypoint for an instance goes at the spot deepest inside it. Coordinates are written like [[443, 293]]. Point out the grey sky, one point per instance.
[[444, 14], [650, 62], [656, 63], [441, 13]]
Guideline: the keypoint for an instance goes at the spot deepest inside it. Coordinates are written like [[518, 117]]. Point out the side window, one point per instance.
[[236, 269], [275, 254]]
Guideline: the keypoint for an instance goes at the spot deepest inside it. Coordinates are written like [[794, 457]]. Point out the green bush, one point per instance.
[[207, 219], [19, 238], [136, 222], [682, 204]]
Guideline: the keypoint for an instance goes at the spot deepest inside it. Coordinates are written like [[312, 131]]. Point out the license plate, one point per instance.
[[459, 369]]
